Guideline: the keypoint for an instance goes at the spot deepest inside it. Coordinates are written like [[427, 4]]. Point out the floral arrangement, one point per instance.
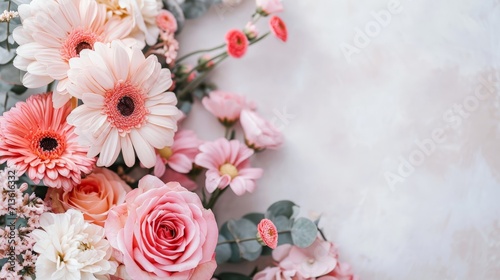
[[99, 178]]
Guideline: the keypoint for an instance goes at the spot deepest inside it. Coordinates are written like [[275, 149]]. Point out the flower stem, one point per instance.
[[246, 239], [196, 82], [8, 26], [199, 51], [215, 196], [186, 76]]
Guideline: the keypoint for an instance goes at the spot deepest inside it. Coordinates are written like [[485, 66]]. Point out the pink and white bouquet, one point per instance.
[[100, 180]]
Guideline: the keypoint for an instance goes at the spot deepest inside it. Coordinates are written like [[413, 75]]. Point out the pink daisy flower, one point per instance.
[[53, 32], [278, 28], [228, 163], [267, 233], [226, 106], [180, 156], [125, 104], [237, 43], [35, 138]]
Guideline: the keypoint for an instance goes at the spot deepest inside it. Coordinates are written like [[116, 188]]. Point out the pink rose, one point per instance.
[[94, 196], [267, 7], [259, 133], [226, 106], [162, 231], [316, 260]]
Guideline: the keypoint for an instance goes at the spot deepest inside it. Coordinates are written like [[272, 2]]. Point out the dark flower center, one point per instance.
[[126, 106], [48, 144], [82, 46]]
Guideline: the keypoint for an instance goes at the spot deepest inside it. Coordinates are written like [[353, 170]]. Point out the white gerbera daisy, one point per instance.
[[143, 15], [54, 31], [125, 104], [71, 248]]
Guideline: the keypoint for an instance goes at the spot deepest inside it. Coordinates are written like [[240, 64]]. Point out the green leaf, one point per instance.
[[223, 251], [304, 232], [245, 229], [281, 208], [283, 223], [195, 8], [10, 74], [235, 251], [254, 217]]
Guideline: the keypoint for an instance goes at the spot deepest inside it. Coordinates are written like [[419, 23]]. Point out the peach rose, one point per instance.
[[94, 196], [162, 231]]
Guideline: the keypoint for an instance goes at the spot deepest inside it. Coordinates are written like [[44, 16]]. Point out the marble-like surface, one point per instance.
[[417, 101]]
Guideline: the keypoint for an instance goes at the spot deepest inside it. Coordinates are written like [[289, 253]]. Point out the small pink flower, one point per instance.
[[259, 133], [180, 156], [237, 43], [228, 163], [316, 260], [226, 106], [251, 31], [166, 21], [278, 28], [267, 233], [266, 7], [205, 62], [170, 47], [162, 231]]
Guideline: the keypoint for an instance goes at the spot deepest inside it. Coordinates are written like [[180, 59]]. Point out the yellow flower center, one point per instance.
[[165, 153], [228, 169]]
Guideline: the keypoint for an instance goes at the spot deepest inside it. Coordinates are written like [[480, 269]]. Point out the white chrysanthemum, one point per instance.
[[125, 104], [54, 31], [71, 248], [143, 14]]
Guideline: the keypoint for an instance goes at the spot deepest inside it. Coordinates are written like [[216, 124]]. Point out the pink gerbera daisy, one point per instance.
[[179, 156], [125, 104], [35, 138], [228, 163], [267, 233], [53, 32]]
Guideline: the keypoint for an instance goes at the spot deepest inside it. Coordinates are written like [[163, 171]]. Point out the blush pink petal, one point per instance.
[[149, 251]]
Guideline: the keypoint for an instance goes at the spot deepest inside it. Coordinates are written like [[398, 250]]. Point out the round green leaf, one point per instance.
[[281, 208], [304, 232], [223, 251]]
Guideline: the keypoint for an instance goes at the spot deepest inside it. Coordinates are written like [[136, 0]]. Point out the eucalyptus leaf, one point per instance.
[[254, 217], [222, 251], [195, 8], [281, 208], [6, 56], [235, 251], [304, 232], [10, 74], [245, 229]]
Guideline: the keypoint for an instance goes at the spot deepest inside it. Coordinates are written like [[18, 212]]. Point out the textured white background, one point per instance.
[[356, 120]]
